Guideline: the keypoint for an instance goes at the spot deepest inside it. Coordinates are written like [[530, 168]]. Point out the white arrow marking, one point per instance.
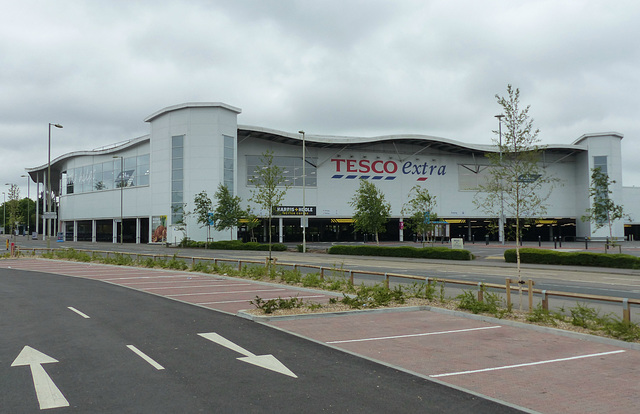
[[49, 396], [264, 361]]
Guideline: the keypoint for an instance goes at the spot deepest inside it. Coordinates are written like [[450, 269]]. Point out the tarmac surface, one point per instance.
[[532, 368]]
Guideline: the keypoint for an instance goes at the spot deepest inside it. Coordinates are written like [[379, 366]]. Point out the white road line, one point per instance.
[[222, 293], [412, 335], [527, 364], [145, 357], [247, 300], [196, 287], [78, 312]]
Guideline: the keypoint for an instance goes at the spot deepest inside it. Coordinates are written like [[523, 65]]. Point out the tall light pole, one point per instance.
[[48, 230], [304, 204], [501, 219], [4, 208], [28, 200], [121, 190]]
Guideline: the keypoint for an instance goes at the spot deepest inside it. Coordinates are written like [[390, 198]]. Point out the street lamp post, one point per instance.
[[48, 229], [501, 219], [4, 208], [121, 198], [28, 198], [304, 204]]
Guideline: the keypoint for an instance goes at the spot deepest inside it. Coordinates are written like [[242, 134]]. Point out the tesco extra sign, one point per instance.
[[365, 166]]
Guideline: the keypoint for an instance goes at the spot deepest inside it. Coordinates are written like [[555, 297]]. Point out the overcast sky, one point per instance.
[[346, 67]]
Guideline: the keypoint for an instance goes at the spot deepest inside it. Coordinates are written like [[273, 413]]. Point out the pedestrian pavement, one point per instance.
[[533, 368]]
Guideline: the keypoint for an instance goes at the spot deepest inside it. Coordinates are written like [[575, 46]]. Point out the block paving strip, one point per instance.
[[521, 365]]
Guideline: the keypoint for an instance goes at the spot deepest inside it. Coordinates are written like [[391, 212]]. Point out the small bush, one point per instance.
[[546, 256], [492, 303], [272, 305], [312, 280], [404, 251]]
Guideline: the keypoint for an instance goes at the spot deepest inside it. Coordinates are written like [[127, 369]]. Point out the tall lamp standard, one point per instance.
[[48, 229], [501, 219], [304, 204], [121, 189], [28, 198], [4, 208]]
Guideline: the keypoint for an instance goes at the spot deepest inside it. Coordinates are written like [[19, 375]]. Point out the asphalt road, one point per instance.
[[91, 364]]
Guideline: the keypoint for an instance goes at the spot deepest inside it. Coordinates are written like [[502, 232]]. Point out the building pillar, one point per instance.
[[280, 231], [93, 231], [115, 231], [137, 230], [401, 229], [75, 230]]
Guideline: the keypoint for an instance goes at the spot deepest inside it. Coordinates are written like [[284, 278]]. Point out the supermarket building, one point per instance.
[[193, 147]]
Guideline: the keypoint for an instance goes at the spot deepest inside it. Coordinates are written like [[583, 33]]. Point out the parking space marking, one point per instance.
[[145, 357], [78, 312], [413, 335], [195, 287], [247, 300], [527, 364], [222, 293]]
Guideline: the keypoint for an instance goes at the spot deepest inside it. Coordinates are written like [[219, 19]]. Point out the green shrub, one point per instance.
[[373, 297], [271, 305], [491, 303], [403, 251], [312, 280], [546, 256]]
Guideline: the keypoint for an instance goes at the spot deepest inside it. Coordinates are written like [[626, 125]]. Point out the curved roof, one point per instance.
[[191, 105], [57, 162], [328, 141]]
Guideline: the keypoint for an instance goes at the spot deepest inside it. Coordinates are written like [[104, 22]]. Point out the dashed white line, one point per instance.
[[527, 364], [78, 312], [145, 357]]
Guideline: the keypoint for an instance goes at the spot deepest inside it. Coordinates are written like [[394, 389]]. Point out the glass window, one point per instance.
[[291, 168]]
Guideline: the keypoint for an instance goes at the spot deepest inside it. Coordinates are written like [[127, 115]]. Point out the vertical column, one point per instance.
[[115, 231], [93, 231], [280, 232], [401, 229], [37, 203], [75, 230], [137, 230]]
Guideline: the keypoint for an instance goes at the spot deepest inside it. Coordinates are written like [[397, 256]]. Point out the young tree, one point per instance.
[[604, 211], [13, 208], [371, 209], [228, 212], [516, 180], [270, 189], [252, 221], [419, 211], [181, 214], [203, 210]]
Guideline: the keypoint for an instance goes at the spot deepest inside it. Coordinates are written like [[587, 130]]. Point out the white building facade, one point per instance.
[[137, 191]]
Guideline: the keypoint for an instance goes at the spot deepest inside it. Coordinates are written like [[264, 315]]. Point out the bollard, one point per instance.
[[321, 273], [351, 276], [586, 243], [480, 292], [530, 286], [555, 242], [539, 241], [560, 241], [545, 300], [508, 285], [386, 280], [626, 312]]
